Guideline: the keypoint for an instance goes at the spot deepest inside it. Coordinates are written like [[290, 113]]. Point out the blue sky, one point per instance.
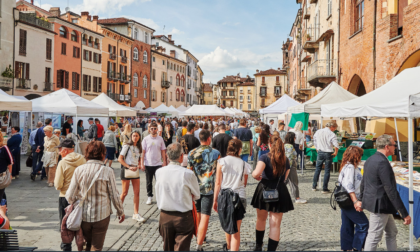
[[227, 36]]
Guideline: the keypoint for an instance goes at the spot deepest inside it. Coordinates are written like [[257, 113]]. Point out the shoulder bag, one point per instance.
[[129, 174], [271, 195], [74, 220], [29, 161], [5, 179], [341, 197]]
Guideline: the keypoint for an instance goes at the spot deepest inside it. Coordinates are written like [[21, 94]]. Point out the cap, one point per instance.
[[67, 143], [90, 119]]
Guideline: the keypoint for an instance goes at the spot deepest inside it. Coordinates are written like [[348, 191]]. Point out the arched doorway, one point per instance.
[[357, 87], [412, 61]]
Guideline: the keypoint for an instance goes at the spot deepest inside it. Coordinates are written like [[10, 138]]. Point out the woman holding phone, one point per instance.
[[130, 162]]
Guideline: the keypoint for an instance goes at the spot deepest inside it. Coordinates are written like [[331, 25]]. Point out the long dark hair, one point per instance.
[[79, 123], [352, 155], [131, 143], [265, 134], [290, 138], [277, 156]]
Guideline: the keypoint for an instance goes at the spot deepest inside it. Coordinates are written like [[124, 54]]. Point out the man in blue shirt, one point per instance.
[[39, 151], [32, 136]]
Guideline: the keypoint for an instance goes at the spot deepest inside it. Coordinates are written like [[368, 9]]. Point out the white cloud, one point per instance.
[[220, 59], [43, 6], [175, 31], [146, 21], [102, 6]]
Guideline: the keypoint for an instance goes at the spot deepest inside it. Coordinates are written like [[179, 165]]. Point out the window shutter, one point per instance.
[[109, 48], [121, 52], [49, 49], [100, 84], [58, 78], [27, 71], [100, 59], [67, 80], [90, 56], [65, 48], [94, 84], [84, 83], [77, 81], [107, 86], [73, 80], [17, 70], [125, 69], [114, 49], [89, 83], [107, 69]]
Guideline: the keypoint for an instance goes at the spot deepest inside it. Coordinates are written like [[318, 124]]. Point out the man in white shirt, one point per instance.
[[197, 132], [272, 126], [325, 141], [176, 189]]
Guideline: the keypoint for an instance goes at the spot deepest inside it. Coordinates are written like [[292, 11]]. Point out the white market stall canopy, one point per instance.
[[231, 112], [205, 110], [12, 103], [173, 111], [280, 106], [115, 109], [333, 93], [389, 100], [160, 109], [64, 101], [182, 108]]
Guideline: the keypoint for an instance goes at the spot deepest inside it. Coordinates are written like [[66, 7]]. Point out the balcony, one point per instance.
[[31, 18], [112, 56], [123, 77], [23, 84], [263, 94], [307, 13], [322, 72], [314, 1], [113, 96], [112, 75], [121, 98], [310, 39], [5, 83], [166, 84], [48, 87], [123, 59], [229, 88], [127, 97], [277, 94], [305, 91]]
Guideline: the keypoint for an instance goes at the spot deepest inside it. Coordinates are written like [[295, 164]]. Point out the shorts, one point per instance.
[[110, 153], [204, 204]]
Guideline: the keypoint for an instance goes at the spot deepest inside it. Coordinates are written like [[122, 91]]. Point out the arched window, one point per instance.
[[136, 80], [177, 80], [90, 41], [96, 45], [182, 95], [145, 57], [136, 54], [177, 95], [63, 32], [145, 81], [74, 36], [136, 32]]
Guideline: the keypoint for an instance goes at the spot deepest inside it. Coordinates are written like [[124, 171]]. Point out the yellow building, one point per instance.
[[270, 85], [246, 96], [207, 94]]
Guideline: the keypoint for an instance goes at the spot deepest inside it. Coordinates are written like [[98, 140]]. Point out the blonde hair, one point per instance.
[[48, 128], [298, 126], [112, 128], [258, 130], [127, 129], [1, 140]]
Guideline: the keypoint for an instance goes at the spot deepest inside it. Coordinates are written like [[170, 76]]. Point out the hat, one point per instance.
[[67, 143], [90, 119]]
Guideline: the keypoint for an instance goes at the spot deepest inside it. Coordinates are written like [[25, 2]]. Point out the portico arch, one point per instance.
[[412, 61], [357, 86]]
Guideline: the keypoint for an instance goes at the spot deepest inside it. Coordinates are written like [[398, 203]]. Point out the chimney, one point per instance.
[[258, 71], [95, 18], [153, 47], [85, 14], [179, 46], [278, 69], [89, 17], [55, 11], [32, 2], [170, 37], [173, 53]]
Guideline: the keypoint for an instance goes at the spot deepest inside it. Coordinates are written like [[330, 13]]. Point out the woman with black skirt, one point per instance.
[[272, 170]]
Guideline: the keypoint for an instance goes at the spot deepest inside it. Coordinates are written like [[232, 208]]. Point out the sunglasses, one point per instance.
[[153, 128]]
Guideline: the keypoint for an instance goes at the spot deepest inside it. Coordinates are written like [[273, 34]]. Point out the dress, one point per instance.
[[269, 181]]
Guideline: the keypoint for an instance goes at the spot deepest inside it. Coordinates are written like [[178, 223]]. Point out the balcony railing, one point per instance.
[[84, 41], [48, 86], [322, 71], [263, 94], [228, 88], [310, 38], [123, 77], [122, 97], [23, 84], [5, 83], [127, 97], [112, 56], [113, 96], [32, 19], [166, 84], [277, 94], [123, 59], [112, 75]]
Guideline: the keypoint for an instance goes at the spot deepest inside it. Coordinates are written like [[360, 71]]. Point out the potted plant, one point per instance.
[[308, 37]]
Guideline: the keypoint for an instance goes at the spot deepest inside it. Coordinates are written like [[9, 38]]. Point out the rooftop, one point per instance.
[[120, 20], [270, 72]]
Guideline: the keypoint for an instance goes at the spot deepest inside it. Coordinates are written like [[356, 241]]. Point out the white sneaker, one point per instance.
[[138, 218], [149, 201], [301, 201]]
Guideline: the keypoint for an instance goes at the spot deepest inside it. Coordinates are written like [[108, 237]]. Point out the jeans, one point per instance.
[[323, 157], [351, 236], [308, 138], [299, 153], [100, 138], [36, 163], [245, 157], [62, 204], [150, 173]]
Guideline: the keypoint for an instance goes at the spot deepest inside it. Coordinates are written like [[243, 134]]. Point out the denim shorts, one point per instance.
[[204, 204]]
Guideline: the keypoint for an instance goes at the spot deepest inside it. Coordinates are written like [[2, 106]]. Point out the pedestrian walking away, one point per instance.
[[221, 141], [126, 134], [153, 156], [379, 196], [65, 170], [93, 130], [272, 171], [230, 195], [110, 142], [202, 161], [176, 189], [96, 211], [130, 164], [325, 142], [263, 140], [245, 135]]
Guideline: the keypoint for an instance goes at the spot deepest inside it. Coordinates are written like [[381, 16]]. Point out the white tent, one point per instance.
[[280, 106], [333, 93], [139, 108], [182, 108], [162, 108], [205, 110], [149, 109], [390, 100], [11, 103], [64, 101], [115, 109], [173, 111], [231, 112]]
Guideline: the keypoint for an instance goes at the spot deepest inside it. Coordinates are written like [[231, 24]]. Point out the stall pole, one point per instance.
[[77, 136], [398, 138], [320, 173], [31, 122], [410, 167], [8, 123]]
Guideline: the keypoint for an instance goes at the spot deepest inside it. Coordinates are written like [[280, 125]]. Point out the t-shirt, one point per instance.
[[5, 158], [234, 170], [189, 143], [66, 125], [100, 130], [268, 171], [184, 131], [221, 142], [133, 155], [243, 134], [153, 146]]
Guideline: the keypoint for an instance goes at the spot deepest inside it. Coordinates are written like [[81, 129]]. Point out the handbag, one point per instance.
[[29, 161], [5, 179], [271, 195], [341, 197], [129, 173], [74, 220]]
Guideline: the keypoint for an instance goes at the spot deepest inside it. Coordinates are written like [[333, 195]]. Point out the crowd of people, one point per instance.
[[201, 165]]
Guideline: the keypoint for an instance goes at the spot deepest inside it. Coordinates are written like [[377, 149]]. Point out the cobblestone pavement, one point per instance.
[[312, 226]]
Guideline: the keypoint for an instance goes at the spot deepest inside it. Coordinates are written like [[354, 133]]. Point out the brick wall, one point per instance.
[[141, 69]]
